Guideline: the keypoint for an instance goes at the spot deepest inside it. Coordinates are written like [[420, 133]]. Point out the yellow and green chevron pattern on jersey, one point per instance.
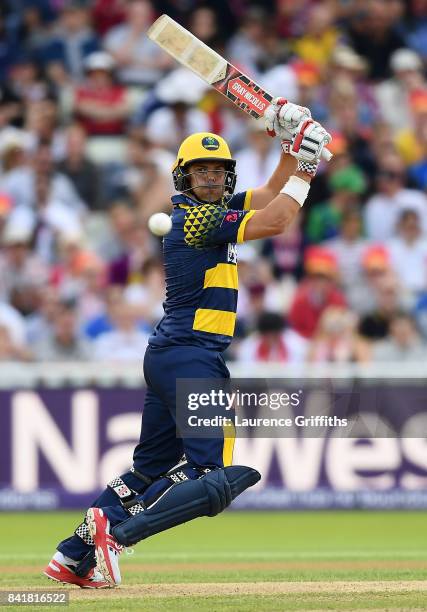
[[200, 221]]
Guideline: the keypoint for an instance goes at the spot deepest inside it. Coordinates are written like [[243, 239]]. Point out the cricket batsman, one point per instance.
[[174, 480]]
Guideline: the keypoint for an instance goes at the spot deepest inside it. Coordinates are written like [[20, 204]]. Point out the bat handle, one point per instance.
[[327, 155]]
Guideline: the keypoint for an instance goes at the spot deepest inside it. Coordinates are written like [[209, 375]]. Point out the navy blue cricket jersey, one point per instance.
[[200, 259]]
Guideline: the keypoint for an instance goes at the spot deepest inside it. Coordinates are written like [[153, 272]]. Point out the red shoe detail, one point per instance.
[[61, 573], [107, 549]]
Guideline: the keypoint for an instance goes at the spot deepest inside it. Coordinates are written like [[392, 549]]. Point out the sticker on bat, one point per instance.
[[247, 94]]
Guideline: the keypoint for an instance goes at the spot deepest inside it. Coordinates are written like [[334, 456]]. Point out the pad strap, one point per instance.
[[135, 508], [120, 488], [146, 479], [176, 474], [83, 532]]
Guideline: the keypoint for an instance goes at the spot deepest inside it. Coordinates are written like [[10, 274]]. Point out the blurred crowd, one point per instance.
[[91, 115]]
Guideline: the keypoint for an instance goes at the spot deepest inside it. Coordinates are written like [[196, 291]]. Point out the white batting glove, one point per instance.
[[282, 119], [308, 144]]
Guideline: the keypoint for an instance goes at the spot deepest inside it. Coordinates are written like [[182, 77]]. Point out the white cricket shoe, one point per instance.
[[60, 570]]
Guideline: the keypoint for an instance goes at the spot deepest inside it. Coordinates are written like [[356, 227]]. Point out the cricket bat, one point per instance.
[[191, 52]]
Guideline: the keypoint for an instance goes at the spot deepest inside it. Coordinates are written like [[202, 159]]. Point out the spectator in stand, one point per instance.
[[373, 34], [276, 50], [9, 46], [324, 220], [126, 342], [284, 251], [204, 25], [246, 47], [82, 172], [346, 115], [248, 276], [73, 40], [145, 179], [388, 300], [139, 61], [42, 124], [147, 295], [10, 351], [14, 322], [179, 93], [39, 324], [31, 25], [394, 95], [5, 209], [271, 342], [345, 62], [15, 146], [80, 276], [408, 251], [335, 339], [257, 161], [403, 343], [120, 222], [317, 291], [139, 246], [258, 289], [342, 159], [417, 25], [50, 217], [19, 266], [292, 77], [20, 182], [346, 79], [381, 146], [349, 247], [320, 36], [375, 270], [104, 322], [291, 17], [64, 343], [100, 104], [382, 210], [91, 272], [11, 105], [25, 80], [108, 13], [412, 143]]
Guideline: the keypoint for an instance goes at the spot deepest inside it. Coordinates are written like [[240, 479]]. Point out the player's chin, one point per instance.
[[212, 194]]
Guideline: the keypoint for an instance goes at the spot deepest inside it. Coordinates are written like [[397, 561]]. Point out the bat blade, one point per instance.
[[188, 50], [191, 52]]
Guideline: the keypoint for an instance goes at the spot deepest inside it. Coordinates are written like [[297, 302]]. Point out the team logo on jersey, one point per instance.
[[210, 143], [232, 253], [232, 217]]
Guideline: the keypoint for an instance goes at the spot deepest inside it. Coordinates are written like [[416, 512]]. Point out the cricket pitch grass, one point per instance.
[[241, 562]]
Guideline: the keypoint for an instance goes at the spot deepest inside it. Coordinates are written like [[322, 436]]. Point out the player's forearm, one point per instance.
[[282, 209], [277, 216], [285, 168]]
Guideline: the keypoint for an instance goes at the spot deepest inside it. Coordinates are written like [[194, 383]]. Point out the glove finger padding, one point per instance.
[[270, 120], [309, 141], [282, 118], [291, 115]]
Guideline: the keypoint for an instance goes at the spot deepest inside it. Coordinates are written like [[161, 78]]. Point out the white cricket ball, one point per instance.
[[160, 224]]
